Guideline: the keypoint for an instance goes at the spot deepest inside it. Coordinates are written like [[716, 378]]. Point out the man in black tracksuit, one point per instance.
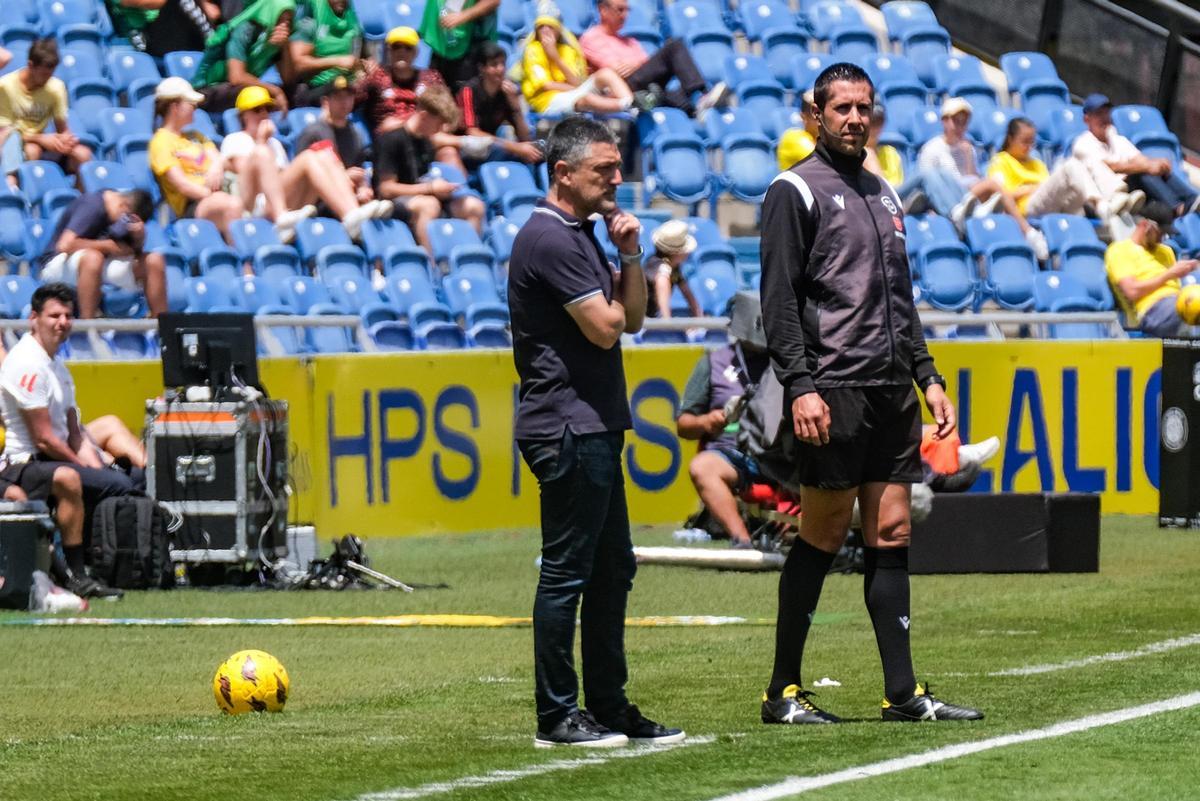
[[847, 347]]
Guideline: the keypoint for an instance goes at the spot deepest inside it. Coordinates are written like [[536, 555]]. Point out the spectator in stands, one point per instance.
[[721, 469], [258, 171], [1069, 189], [47, 452], [12, 153], [454, 31], [388, 96], [1145, 278], [1117, 165], [937, 187], [664, 270], [188, 166], [796, 144], [556, 78], [954, 153], [241, 51], [100, 239], [490, 100], [326, 42], [334, 133], [605, 47], [404, 157], [131, 17], [181, 25], [30, 99]]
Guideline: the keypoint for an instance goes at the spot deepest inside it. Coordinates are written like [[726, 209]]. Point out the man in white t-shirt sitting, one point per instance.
[[258, 171], [46, 451], [1117, 165]]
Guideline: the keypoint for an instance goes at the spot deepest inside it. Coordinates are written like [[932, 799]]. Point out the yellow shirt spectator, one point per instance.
[[539, 71], [192, 152], [1014, 174], [31, 112], [1128, 259], [891, 164], [794, 146]]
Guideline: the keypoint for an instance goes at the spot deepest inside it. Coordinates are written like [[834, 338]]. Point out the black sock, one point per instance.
[[885, 588], [799, 590], [74, 555]]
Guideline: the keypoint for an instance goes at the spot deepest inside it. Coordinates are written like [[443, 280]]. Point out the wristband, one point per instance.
[[630, 258]]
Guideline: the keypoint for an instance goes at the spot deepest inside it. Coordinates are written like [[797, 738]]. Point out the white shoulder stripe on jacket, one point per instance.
[[801, 186]]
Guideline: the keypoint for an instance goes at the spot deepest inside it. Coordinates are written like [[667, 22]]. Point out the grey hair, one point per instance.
[[570, 139]]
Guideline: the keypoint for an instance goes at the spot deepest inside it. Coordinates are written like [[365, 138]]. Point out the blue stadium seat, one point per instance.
[[471, 294], [1062, 230], [392, 336], [79, 347], [317, 233], [890, 68], [83, 38], [300, 118], [38, 234], [117, 122], [1010, 270], [1187, 233], [447, 234], [647, 36], [329, 339], [57, 14], [759, 16], [513, 15], [307, 295], [687, 16], [441, 336], [75, 66], [1057, 292], [994, 229], [750, 166], [855, 43], [1132, 120], [354, 293], [500, 236], [721, 123], [16, 292], [709, 49], [451, 173], [127, 66], [215, 293], [1064, 125], [372, 17], [289, 339], [762, 98], [44, 181], [660, 336], [388, 242], [925, 230], [823, 17], [806, 68], [194, 236], [741, 68], [787, 117], [410, 292], [339, 261], [577, 15], [1041, 100], [947, 279], [901, 16], [902, 101], [953, 72], [714, 286], [508, 185], [781, 46], [1021, 68], [255, 240], [258, 293], [706, 232], [182, 63], [988, 128], [88, 100], [922, 126], [18, 36], [924, 45], [489, 335], [98, 175], [403, 12]]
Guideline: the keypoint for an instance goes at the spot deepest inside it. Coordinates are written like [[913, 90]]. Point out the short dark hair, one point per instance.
[[841, 71], [1014, 127], [570, 139], [140, 203], [488, 52], [44, 53], [55, 290]]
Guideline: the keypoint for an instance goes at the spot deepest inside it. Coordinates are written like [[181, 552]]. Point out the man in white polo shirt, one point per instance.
[[46, 452]]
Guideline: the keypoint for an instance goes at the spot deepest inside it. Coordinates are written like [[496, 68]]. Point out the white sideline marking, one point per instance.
[[802, 784], [505, 776], [1161, 647]]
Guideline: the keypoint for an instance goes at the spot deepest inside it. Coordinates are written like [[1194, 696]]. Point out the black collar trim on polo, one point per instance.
[[542, 207], [847, 165]]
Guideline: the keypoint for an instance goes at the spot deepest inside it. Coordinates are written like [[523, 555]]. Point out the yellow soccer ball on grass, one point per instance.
[[251, 681], [1187, 304]]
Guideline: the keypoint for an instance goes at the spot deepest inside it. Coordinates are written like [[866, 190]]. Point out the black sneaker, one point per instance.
[[923, 706], [581, 730], [88, 587], [794, 707], [640, 729]]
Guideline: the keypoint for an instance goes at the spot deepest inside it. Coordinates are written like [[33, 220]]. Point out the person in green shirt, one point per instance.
[[130, 18], [241, 51], [326, 42], [453, 30]]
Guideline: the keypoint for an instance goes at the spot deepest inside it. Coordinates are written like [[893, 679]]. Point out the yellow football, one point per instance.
[[251, 681]]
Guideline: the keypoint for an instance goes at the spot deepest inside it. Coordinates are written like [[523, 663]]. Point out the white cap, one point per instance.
[[955, 105], [176, 88]]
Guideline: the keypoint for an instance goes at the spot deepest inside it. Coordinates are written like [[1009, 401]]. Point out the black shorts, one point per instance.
[[874, 436], [34, 477]]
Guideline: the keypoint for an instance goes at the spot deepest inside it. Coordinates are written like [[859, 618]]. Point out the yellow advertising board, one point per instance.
[[415, 443]]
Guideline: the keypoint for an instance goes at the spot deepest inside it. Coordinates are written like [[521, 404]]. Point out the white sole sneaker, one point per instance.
[[978, 453], [613, 741], [679, 737]]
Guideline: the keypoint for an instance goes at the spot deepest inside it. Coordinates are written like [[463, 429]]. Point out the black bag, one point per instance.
[[131, 549]]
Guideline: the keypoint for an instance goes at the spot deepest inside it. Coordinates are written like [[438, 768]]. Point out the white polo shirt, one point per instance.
[[30, 379]]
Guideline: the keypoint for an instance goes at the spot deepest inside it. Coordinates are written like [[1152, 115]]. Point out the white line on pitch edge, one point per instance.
[[802, 784], [504, 776], [1161, 647]]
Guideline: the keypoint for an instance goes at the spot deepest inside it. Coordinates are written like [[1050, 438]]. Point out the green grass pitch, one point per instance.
[[127, 713]]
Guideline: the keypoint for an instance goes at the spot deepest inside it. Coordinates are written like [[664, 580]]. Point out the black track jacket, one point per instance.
[[836, 291]]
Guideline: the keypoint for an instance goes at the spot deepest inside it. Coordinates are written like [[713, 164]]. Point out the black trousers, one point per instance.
[[671, 61], [587, 555]]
